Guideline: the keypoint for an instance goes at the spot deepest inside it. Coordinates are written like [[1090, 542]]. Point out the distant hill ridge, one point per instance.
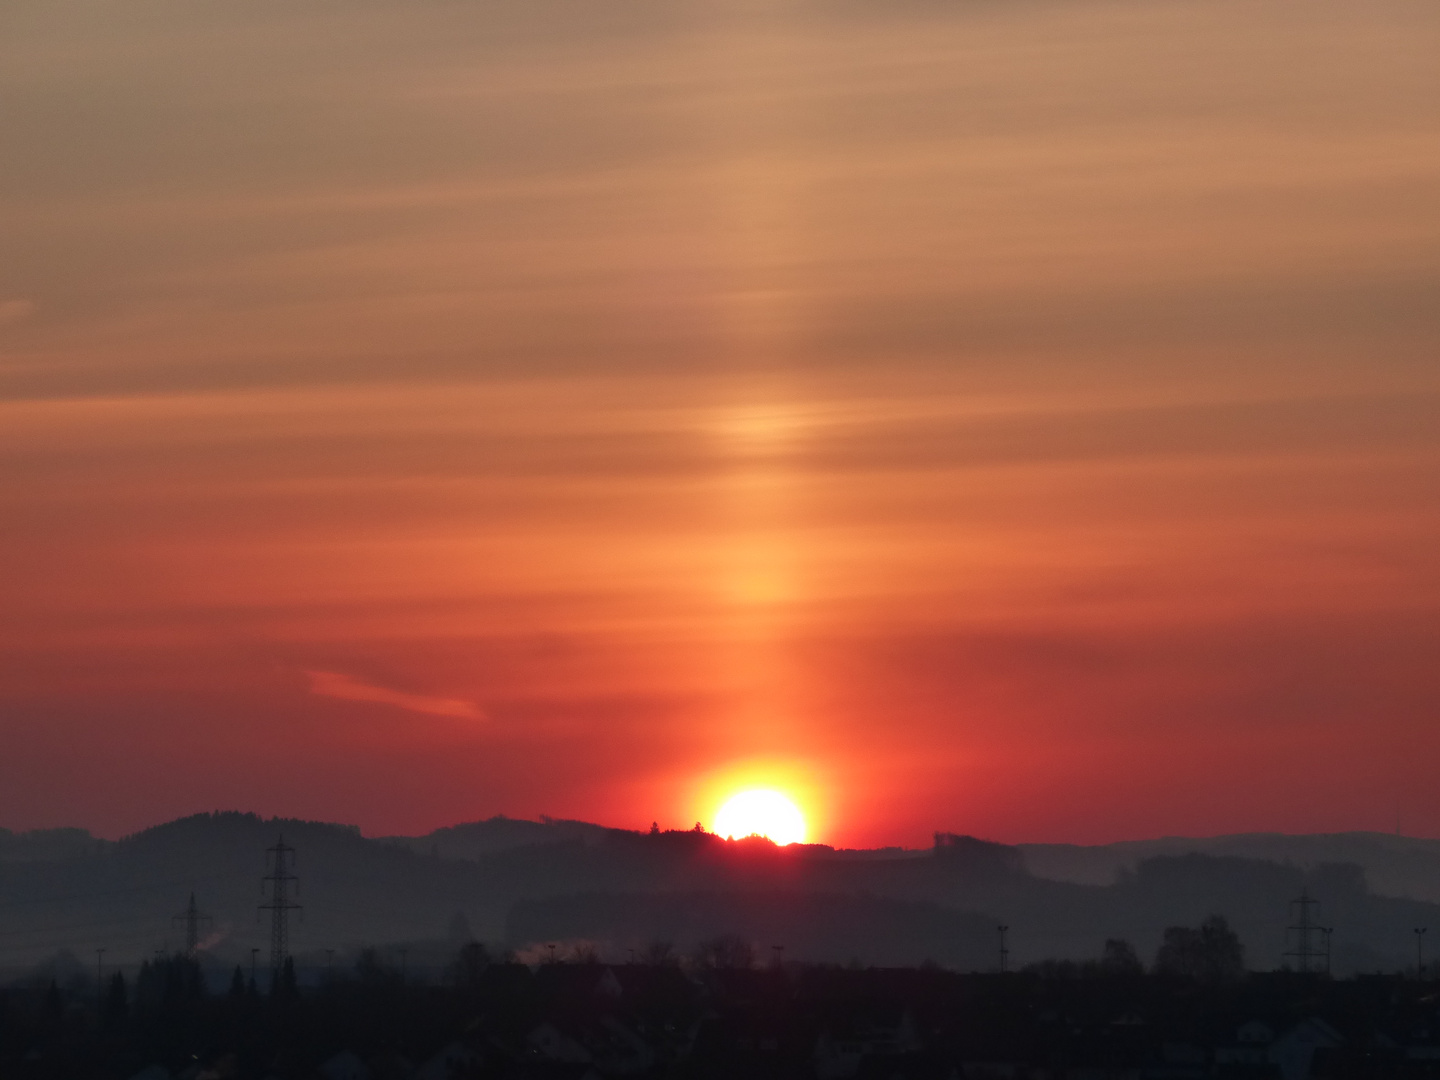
[[1394, 865], [513, 883]]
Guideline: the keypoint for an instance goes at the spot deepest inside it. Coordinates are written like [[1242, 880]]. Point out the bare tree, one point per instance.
[[659, 954], [1120, 958], [1212, 953], [725, 951]]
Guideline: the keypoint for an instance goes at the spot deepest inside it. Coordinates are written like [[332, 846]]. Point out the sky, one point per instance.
[[1009, 417]]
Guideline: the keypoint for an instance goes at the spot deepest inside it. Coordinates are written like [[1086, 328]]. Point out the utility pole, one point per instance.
[[254, 956], [1004, 952], [1305, 954], [278, 858], [1420, 951], [100, 980], [1327, 931], [192, 917]]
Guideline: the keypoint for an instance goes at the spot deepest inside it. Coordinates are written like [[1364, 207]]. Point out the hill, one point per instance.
[[521, 884]]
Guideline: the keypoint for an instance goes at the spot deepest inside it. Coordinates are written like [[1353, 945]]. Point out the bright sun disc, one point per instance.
[[761, 813]]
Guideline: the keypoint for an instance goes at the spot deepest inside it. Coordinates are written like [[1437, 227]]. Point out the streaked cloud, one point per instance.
[[346, 688]]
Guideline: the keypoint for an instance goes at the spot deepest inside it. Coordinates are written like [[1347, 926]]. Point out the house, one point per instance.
[[1249, 1051], [867, 1033], [549, 1043], [1293, 1050]]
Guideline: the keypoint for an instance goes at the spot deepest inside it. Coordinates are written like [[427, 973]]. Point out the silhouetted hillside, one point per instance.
[[1394, 865], [521, 883], [479, 838], [48, 845]]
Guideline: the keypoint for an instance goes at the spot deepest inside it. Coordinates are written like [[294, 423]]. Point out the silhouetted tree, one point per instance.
[[285, 988], [725, 951], [658, 954], [1210, 954], [117, 999], [469, 965], [183, 979], [168, 981], [1120, 958], [370, 970], [1061, 969], [237, 983], [52, 1011], [585, 953], [147, 991], [458, 932]]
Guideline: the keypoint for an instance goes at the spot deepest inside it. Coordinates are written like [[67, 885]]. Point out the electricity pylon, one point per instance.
[[1305, 954], [193, 917], [280, 879]]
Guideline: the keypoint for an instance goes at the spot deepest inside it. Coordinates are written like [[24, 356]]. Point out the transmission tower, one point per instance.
[[1307, 957], [192, 917], [280, 861]]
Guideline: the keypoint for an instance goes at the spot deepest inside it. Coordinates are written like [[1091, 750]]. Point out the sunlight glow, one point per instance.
[[761, 812]]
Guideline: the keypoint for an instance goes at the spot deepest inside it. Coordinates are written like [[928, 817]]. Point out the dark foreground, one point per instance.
[[589, 1020]]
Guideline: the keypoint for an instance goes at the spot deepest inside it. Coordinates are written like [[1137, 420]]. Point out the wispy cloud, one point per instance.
[[335, 685]]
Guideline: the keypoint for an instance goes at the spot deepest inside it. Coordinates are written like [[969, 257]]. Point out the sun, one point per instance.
[[761, 812]]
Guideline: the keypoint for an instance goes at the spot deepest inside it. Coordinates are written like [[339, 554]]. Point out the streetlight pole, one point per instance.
[[1004, 952]]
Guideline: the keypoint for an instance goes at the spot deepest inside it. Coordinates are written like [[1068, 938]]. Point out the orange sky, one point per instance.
[[1015, 419]]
